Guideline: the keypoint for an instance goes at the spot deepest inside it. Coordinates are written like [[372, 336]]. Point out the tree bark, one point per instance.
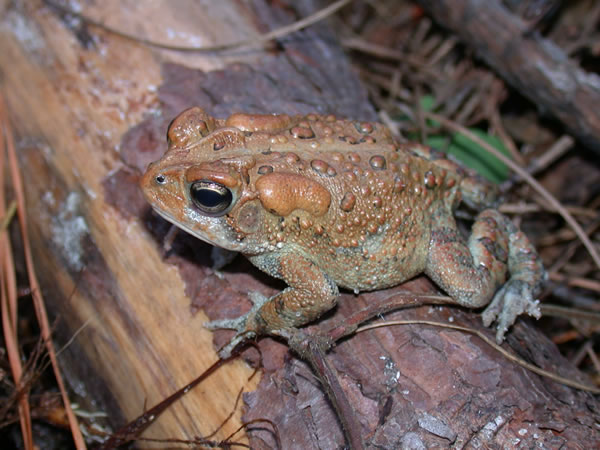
[[532, 65], [90, 110]]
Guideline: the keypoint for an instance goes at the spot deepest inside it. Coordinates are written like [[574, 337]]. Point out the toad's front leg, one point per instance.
[[310, 293], [471, 273]]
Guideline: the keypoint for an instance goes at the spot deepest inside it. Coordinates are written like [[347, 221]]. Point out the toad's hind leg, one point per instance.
[[471, 273]]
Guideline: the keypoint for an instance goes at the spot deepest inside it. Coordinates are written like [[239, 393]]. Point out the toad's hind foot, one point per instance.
[[243, 325], [475, 272], [513, 299]]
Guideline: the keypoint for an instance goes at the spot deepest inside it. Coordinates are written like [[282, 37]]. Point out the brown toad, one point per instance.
[[321, 202]]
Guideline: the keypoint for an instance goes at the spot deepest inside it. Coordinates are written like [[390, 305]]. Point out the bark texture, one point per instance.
[[532, 65]]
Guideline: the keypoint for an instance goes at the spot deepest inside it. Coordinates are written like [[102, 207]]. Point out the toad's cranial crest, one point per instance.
[[322, 202]]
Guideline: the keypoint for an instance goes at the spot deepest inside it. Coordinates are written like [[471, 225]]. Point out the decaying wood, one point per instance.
[[72, 93], [91, 110], [534, 66]]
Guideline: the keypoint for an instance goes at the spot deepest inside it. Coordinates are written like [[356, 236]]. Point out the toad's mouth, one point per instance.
[[207, 235]]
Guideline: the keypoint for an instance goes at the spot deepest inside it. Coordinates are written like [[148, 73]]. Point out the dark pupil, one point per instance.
[[210, 197]]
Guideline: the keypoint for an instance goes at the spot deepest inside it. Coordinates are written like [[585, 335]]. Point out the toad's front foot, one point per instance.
[[244, 325], [513, 299]]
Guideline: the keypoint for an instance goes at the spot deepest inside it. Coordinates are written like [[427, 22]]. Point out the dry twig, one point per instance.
[[529, 179], [258, 40], [38, 301]]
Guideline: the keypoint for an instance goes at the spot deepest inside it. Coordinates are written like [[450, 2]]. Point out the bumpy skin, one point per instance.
[[321, 202]]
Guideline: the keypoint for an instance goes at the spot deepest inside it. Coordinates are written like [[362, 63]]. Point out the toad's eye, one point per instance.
[[213, 199]]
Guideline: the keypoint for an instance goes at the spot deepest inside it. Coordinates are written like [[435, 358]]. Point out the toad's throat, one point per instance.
[[204, 234]]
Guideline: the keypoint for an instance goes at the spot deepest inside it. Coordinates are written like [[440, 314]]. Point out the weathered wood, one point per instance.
[[72, 93], [71, 105], [534, 66]]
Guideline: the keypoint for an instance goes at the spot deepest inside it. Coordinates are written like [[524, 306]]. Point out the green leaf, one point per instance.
[[427, 102], [477, 158], [466, 151]]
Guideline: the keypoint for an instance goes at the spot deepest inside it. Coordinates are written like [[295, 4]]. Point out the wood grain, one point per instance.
[[70, 102]]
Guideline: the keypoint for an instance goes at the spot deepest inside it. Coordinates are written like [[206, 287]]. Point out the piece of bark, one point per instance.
[[71, 105], [419, 386], [534, 66]]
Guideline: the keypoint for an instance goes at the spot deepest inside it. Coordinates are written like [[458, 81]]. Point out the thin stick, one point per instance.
[[556, 150], [524, 208], [9, 304], [38, 301], [564, 312], [271, 35], [528, 178], [505, 353], [10, 212]]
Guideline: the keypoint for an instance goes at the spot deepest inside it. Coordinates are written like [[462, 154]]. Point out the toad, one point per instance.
[[323, 203]]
